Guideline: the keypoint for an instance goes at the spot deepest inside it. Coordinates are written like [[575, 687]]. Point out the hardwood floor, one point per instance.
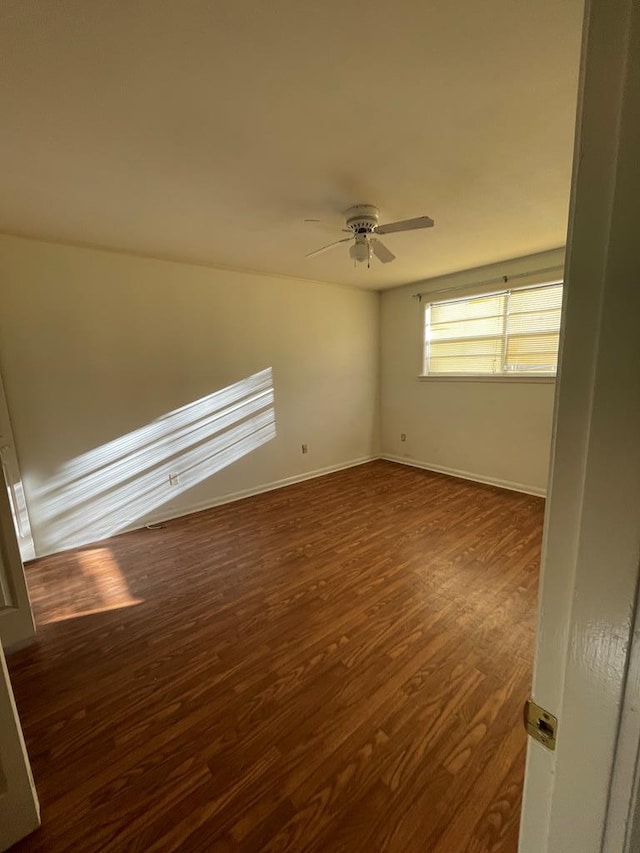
[[339, 665]]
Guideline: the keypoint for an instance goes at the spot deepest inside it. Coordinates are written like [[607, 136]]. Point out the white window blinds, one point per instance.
[[513, 332]]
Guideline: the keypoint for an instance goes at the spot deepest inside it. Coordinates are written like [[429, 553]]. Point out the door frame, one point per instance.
[[17, 625], [19, 807], [591, 542], [11, 469]]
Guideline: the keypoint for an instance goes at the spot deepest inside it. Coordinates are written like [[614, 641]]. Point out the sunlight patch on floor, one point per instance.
[[96, 585]]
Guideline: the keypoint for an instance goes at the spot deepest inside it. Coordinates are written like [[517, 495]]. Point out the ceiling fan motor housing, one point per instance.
[[362, 219]]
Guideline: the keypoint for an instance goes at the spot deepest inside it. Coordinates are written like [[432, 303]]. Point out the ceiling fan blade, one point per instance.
[[381, 252], [330, 246], [327, 226], [405, 225]]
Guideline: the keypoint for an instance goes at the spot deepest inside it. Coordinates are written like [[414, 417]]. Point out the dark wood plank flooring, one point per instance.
[[339, 665]]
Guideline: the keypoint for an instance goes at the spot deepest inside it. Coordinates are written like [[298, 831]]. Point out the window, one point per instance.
[[510, 333]]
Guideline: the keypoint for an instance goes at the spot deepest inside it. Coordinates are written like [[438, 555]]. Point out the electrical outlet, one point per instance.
[[174, 479], [305, 448], [403, 436]]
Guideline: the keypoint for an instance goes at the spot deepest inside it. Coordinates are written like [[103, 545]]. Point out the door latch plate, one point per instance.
[[540, 724]]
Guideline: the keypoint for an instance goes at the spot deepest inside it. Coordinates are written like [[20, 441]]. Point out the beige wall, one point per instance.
[[96, 345], [495, 431], [100, 350]]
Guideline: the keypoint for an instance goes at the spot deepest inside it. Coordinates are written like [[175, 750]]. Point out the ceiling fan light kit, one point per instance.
[[360, 251], [362, 221]]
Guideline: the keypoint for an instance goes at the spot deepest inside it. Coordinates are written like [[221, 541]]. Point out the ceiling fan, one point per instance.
[[363, 229]]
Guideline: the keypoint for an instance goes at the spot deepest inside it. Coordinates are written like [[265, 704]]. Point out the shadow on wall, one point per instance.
[[107, 489]]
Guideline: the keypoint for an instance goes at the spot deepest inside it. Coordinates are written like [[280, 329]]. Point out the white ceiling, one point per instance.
[[208, 131]]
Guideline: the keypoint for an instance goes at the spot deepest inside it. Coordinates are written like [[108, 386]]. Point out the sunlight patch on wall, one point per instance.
[[109, 488], [95, 584]]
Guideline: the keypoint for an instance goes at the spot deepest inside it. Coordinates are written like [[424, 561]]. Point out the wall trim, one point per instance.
[[229, 497], [20, 644], [466, 475]]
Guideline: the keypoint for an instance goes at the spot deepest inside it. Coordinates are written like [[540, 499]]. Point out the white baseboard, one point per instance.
[[466, 475], [21, 644], [230, 497]]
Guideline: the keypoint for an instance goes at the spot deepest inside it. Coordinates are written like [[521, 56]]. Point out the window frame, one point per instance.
[[509, 376]]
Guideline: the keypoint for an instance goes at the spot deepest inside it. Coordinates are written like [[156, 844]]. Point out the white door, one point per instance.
[[11, 471], [574, 801], [19, 810], [16, 544], [16, 619]]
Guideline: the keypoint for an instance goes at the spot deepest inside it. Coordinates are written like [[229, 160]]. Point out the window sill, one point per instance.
[[535, 380]]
